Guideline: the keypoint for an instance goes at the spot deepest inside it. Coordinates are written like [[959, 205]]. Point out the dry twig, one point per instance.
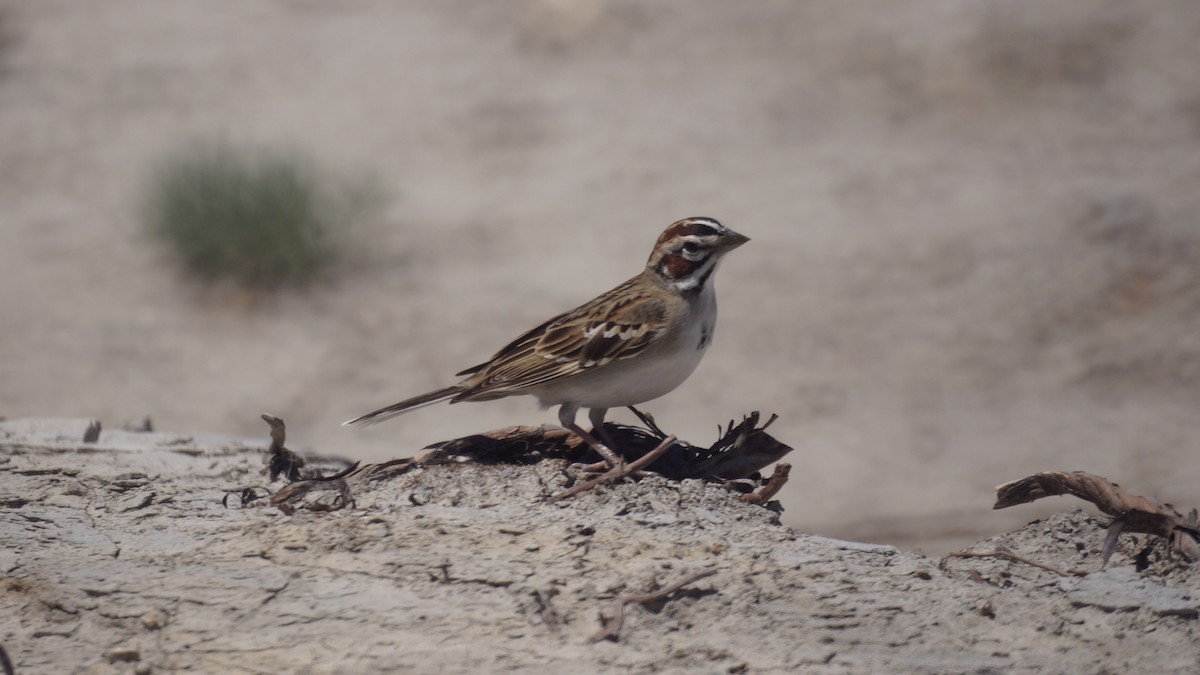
[[343, 482], [281, 460], [1130, 512], [294, 491], [774, 484], [648, 420], [610, 628], [1008, 555], [245, 496], [742, 451]]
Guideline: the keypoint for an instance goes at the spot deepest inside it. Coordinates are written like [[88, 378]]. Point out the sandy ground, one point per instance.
[[118, 556], [975, 250]]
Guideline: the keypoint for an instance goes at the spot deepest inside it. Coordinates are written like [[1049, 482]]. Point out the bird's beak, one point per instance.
[[731, 240]]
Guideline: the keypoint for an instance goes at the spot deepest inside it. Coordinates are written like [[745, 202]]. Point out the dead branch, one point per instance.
[[245, 496], [293, 492], [1010, 556], [519, 444], [381, 471], [1130, 512], [281, 461], [610, 628], [648, 420], [765, 493], [741, 452], [342, 482]]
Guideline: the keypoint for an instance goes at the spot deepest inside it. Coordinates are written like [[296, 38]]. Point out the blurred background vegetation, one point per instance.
[[261, 219], [257, 218]]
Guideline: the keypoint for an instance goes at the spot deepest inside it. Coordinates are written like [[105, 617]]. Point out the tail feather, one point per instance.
[[404, 406]]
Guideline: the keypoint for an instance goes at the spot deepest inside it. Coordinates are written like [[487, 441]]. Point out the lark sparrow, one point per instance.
[[632, 344]]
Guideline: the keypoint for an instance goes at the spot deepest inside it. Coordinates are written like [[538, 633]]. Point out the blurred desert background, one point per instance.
[[975, 224]]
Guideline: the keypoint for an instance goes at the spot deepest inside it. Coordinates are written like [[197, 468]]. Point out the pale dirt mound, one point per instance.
[[120, 557], [975, 251]]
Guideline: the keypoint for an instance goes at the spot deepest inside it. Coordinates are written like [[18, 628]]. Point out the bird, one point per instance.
[[627, 346]]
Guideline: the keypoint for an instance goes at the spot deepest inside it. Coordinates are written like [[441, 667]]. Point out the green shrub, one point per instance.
[[257, 218]]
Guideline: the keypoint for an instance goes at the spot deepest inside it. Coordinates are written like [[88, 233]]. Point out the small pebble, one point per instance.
[[118, 654], [985, 609], [154, 619]]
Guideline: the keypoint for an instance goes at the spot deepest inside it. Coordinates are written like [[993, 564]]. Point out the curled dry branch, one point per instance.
[[741, 452], [280, 460], [338, 482], [1130, 512], [610, 627], [342, 482], [1006, 554], [771, 488]]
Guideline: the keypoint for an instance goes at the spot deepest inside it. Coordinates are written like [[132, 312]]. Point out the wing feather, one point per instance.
[[617, 325]]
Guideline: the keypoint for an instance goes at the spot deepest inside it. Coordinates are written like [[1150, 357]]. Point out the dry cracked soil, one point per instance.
[[135, 553]]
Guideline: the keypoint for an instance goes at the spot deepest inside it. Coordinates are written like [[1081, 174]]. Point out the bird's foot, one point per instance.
[[612, 461], [619, 472], [594, 467]]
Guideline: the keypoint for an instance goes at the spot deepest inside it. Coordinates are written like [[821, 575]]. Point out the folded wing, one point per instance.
[[614, 326]]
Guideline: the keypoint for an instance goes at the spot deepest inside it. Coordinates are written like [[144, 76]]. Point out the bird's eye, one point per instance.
[[691, 247]]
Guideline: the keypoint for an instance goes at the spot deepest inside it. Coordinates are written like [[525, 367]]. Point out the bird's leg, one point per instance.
[[596, 417], [566, 417]]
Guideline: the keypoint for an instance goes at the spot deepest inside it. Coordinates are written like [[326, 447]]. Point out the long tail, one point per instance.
[[404, 406]]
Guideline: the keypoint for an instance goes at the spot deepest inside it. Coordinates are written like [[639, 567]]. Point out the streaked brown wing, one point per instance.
[[616, 325]]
